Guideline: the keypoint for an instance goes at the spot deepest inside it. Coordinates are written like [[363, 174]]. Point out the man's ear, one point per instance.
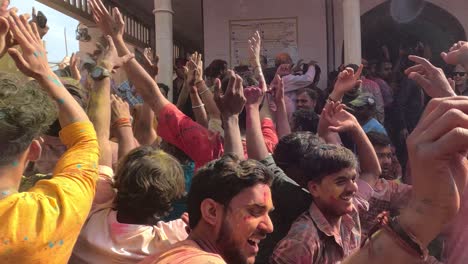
[[210, 211], [4, 31], [314, 188], [35, 150]]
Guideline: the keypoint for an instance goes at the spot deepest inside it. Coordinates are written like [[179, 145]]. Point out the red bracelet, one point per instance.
[[122, 122], [399, 235]]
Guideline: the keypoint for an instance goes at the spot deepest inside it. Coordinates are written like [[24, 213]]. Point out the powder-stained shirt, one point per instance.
[[311, 238], [103, 239], [42, 225], [198, 142]]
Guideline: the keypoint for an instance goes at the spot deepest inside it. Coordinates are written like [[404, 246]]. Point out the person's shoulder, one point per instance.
[[185, 252], [303, 230], [301, 242]]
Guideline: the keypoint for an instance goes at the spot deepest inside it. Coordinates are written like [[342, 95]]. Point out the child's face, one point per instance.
[[334, 194]]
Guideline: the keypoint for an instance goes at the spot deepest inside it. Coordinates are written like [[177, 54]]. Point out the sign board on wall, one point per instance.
[[278, 35]]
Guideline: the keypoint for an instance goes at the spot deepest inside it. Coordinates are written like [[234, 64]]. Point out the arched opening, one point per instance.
[[433, 26]]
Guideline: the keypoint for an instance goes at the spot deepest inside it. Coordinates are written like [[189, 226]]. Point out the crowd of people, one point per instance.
[[251, 165]]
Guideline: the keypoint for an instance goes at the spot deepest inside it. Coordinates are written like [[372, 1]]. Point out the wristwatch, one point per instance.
[[100, 73]]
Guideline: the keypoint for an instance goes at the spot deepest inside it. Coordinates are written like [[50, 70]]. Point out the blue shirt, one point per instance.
[[375, 126]]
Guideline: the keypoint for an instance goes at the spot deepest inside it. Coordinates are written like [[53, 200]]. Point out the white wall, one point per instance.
[[458, 8], [312, 38]]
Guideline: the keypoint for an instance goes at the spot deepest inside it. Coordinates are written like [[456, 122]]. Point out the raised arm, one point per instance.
[[198, 107], [296, 82], [437, 144], [122, 126], [458, 54], [114, 26], [231, 104], [99, 110], [255, 43], [256, 148], [149, 63], [430, 78], [193, 77], [143, 125], [204, 92], [323, 125], [33, 63], [74, 67], [282, 121], [208, 99], [342, 121]]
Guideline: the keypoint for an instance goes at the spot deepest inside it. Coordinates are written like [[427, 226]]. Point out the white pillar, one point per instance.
[[352, 31], [164, 41]]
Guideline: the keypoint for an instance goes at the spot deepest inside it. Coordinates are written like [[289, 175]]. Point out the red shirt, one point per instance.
[[199, 143]]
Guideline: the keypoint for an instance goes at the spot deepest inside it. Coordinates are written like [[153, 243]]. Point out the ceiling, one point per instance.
[[188, 19]]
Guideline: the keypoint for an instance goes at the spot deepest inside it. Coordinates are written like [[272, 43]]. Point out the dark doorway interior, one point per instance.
[[433, 26]]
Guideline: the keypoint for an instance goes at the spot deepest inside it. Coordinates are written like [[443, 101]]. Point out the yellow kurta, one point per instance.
[[42, 225]]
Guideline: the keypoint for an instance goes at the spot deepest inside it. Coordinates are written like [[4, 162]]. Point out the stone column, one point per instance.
[[352, 31], [164, 42]]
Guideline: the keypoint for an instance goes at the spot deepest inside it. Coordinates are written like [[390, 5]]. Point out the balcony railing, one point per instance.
[[136, 31]]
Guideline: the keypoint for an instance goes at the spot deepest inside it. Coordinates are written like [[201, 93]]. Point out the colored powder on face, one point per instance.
[[15, 163], [61, 101]]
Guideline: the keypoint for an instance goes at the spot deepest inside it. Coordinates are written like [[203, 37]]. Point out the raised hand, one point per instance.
[[284, 69], [110, 25], [338, 119], [32, 61], [194, 69], [255, 43], [110, 59], [74, 67], [151, 61], [458, 54], [119, 108], [254, 96], [277, 89], [346, 81], [430, 78], [148, 55], [437, 155], [233, 100]]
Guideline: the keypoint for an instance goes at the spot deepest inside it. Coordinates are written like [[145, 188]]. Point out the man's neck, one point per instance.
[[204, 239], [333, 220], [10, 178]]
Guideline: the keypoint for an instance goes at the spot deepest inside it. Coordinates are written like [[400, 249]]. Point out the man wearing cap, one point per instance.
[[364, 109]]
